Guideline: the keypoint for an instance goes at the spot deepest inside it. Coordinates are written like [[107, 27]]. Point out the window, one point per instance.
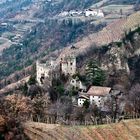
[[71, 63]]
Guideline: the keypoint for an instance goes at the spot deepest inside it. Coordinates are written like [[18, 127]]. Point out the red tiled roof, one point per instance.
[[98, 91]]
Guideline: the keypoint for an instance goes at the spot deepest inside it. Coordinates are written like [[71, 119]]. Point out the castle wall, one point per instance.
[[68, 65], [64, 68], [42, 70]]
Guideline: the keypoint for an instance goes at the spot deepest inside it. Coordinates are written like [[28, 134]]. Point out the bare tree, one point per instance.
[[134, 97]]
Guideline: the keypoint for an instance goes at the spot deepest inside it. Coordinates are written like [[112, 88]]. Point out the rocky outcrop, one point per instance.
[[114, 59]]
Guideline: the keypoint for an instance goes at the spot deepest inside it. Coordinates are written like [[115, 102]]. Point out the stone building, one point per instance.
[[43, 70], [77, 83], [68, 65], [50, 69], [97, 95]]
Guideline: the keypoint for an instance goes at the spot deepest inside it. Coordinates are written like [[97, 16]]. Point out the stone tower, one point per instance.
[[43, 70], [68, 65]]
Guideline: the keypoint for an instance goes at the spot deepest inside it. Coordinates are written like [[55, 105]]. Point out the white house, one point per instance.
[[97, 95], [100, 13], [4, 24], [63, 14], [82, 99], [90, 13], [75, 13], [94, 13]]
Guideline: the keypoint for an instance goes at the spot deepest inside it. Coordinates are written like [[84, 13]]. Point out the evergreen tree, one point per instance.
[[32, 80], [94, 74]]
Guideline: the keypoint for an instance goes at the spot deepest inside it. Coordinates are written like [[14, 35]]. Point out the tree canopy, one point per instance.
[[94, 74]]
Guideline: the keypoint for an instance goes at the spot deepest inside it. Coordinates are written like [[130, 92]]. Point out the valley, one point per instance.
[[15, 24], [69, 69], [27, 30]]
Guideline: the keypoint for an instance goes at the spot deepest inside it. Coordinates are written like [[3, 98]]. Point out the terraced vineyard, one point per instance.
[[125, 130], [111, 33]]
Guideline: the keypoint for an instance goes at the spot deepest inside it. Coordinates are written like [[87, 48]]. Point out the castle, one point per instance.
[[67, 66]]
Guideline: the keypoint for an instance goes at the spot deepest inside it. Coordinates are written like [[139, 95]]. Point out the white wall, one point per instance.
[[41, 70], [98, 100], [64, 68], [90, 13], [100, 14], [81, 102], [97, 13]]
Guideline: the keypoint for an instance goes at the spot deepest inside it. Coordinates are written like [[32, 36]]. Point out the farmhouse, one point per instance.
[[82, 99], [94, 13], [75, 13], [87, 13], [96, 94], [63, 14]]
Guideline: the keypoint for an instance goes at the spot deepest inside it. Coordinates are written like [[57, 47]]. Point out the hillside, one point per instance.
[[45, 38], [124, 130], [89, 84], [114, 32]]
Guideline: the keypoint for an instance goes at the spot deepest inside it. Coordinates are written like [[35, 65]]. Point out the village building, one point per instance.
[[63, 14], [87, 13], [94, 13], [4, 24], [75, 13], [82, 99], [97, 95]]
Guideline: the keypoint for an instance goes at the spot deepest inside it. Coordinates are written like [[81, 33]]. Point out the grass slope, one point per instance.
[[125, 130]]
